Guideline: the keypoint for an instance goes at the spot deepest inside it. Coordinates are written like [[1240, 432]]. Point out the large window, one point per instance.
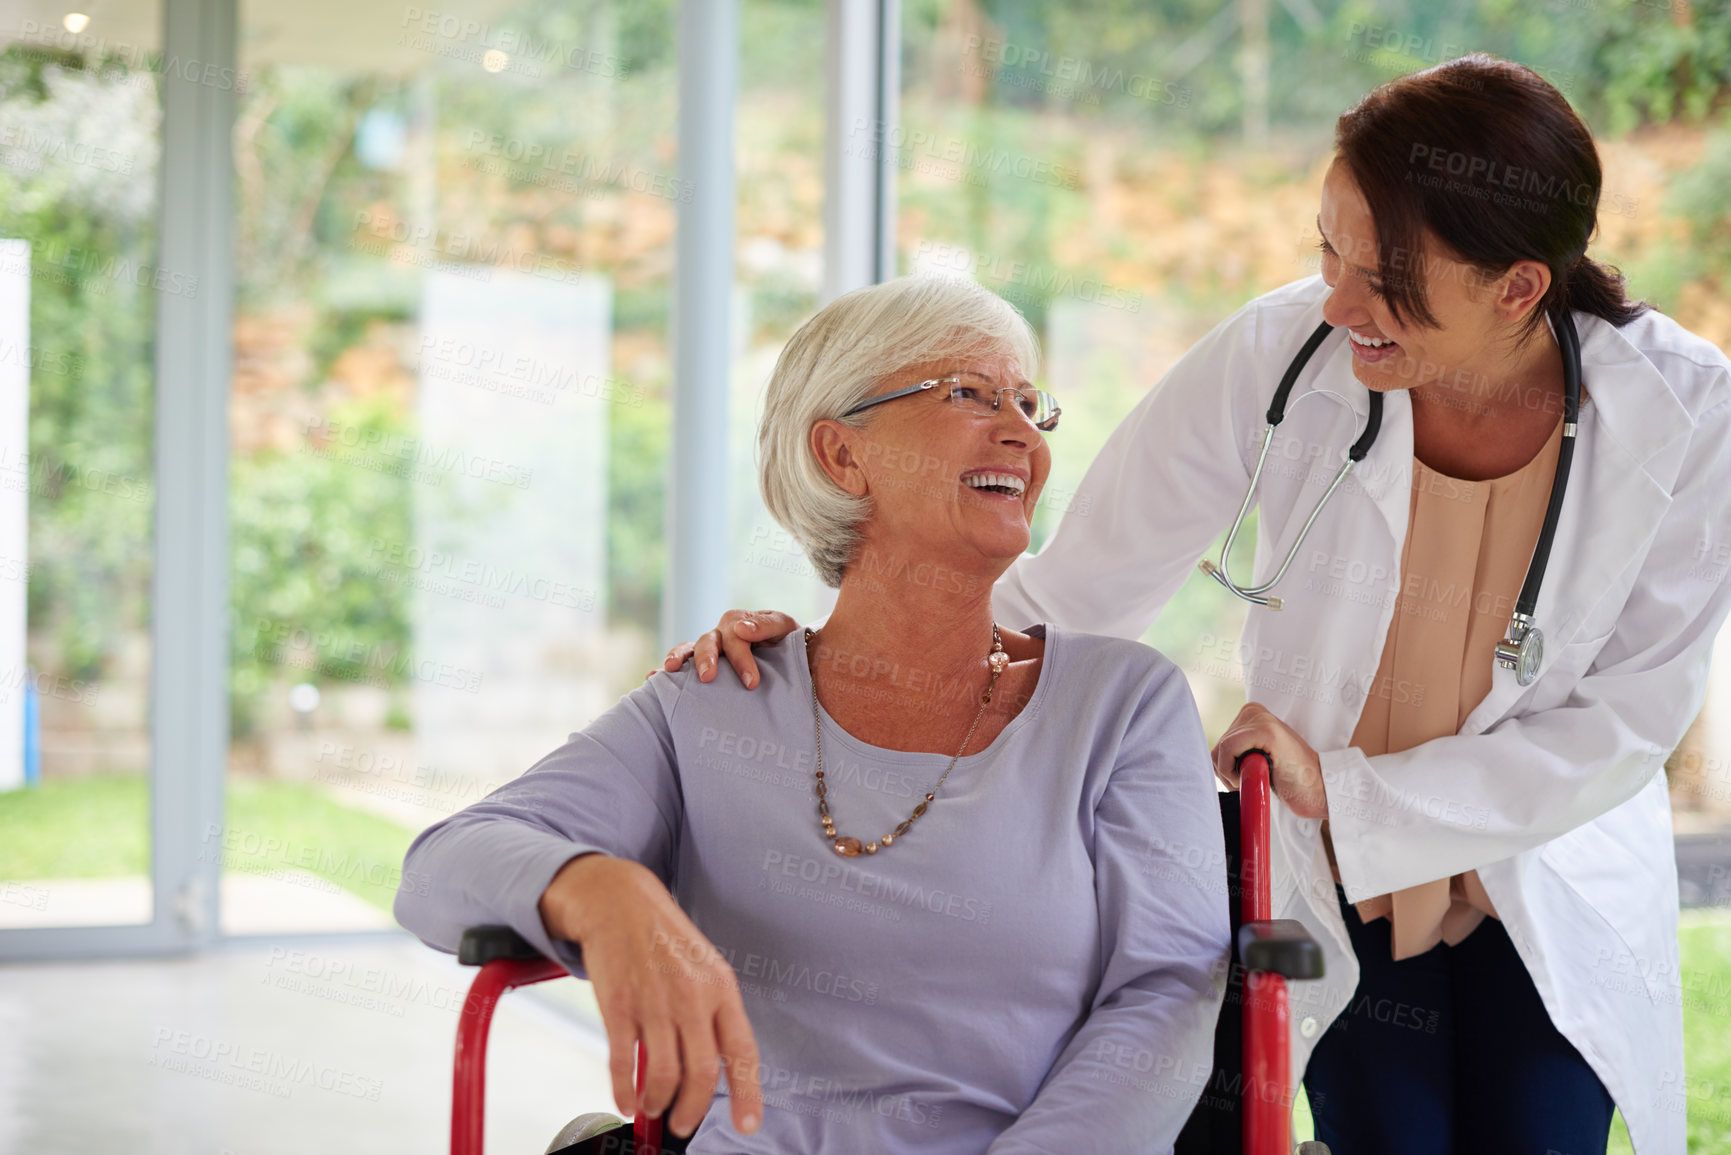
[[79, 284], [450, 420], [451, 409]]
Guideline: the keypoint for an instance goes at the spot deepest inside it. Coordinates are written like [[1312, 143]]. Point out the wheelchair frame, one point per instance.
[[1270, 951]]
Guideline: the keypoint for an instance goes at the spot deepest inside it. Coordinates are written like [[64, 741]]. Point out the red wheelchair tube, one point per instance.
[[469, 1077], [645, 1128], [1253, 792], [1267, 1064]]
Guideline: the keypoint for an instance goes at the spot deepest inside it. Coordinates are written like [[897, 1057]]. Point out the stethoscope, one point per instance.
[[1523, 646]]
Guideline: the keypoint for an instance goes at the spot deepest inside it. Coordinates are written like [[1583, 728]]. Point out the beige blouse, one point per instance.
[[1466, 553]]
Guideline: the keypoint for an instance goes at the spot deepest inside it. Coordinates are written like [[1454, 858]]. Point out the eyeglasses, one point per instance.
[[980, 395]]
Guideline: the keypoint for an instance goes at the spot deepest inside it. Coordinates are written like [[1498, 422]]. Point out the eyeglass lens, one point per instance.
[[980, 393]]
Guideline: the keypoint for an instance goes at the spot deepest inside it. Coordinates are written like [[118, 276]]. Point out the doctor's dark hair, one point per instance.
[[1487, 158]]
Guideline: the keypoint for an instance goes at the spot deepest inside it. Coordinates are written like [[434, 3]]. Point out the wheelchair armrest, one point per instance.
[[1279, 946], [483, 944]]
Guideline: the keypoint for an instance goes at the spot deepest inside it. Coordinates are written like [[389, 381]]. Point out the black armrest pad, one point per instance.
[[1280, 946], [482, 944]]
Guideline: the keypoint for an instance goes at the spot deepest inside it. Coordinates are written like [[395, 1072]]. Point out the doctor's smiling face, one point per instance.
[[1476, 343]]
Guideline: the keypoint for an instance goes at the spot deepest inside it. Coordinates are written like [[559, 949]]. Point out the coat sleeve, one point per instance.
[[1530, 779], [611, 789], [1132, 1073], [1165, 485]]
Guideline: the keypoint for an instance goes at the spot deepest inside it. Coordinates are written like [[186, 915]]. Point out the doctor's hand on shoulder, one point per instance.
[[1295, 769], [732, 638]]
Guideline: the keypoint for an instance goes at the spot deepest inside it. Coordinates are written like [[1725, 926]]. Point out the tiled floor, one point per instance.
[[276, 1048], [282, 901]]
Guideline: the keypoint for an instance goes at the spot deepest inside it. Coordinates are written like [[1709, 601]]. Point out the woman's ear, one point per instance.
[[838, 449], [1522, 287]]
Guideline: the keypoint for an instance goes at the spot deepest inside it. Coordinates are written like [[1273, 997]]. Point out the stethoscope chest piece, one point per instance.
[[1523, 650]]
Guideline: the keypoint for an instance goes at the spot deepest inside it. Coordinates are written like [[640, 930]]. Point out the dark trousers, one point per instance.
[[1450, 1051]]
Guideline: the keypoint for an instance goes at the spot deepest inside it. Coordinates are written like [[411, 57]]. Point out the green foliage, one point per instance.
[[1649, 66], [1702, 196], [312, 531], [293, 144], [639, 440], [1621, 62], [92, 238]]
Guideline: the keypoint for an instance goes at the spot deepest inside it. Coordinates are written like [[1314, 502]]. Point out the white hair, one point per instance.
[[843, 355]]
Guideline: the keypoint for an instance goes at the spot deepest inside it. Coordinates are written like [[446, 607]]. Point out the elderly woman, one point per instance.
[[936, 885]]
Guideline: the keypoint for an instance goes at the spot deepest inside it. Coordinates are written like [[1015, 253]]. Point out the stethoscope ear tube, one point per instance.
[[1522, 647], [1277, 407], [1570, 343]]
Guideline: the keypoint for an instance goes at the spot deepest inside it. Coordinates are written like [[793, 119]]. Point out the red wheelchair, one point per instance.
[[1246, 1108]]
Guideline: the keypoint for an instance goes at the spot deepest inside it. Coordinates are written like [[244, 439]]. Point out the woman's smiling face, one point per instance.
[[948, 485], [1400, 354]]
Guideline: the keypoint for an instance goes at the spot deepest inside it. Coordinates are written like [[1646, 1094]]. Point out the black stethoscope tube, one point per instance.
[[1522, 648]]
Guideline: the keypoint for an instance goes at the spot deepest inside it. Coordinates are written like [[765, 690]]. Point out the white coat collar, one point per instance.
[[1617, 491]]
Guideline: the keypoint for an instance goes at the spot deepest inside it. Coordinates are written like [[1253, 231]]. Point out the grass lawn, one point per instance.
[[99, 827], [76, 828]]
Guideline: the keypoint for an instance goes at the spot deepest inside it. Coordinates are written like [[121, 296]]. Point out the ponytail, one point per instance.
[[1597, 290]]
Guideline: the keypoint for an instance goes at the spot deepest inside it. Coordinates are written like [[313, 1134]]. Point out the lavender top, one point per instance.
[[1036, 967]]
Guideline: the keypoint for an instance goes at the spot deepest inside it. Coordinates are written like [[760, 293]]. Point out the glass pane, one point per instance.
[[779, 263], [450, 423], [79, 140]]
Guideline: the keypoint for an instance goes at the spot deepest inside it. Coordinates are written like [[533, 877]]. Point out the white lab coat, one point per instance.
[[1554, 793]]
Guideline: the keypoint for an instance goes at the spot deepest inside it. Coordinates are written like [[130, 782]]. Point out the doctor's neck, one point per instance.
[[1498, 383]]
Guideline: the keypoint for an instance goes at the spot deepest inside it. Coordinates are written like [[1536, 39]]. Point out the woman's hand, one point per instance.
[[737, 632], [658, 979], [1295, 770]]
